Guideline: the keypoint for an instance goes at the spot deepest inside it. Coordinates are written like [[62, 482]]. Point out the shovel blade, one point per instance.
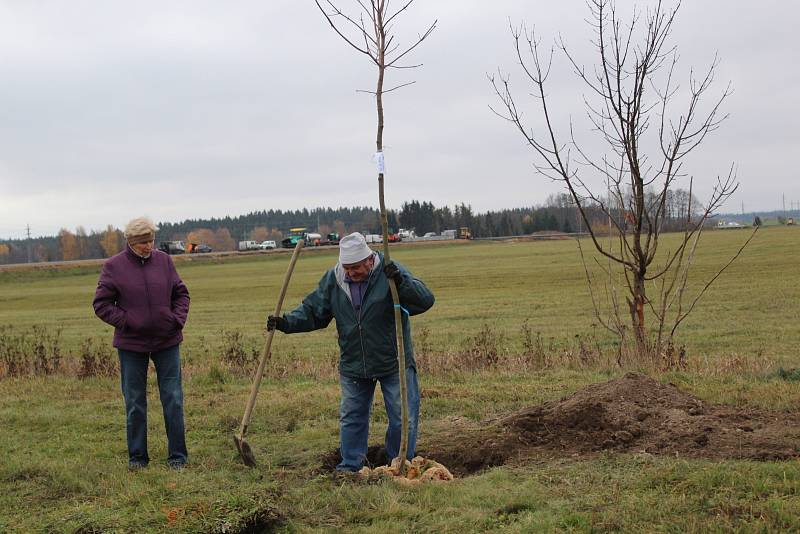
[[245, 451]]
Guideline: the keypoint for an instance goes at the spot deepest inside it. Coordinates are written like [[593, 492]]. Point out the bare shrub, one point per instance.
[[533, 349], [482, 351], [422, 342], [13, 352], [581, 352], [239, 357], [96, 360], [673, 358], [46, 350], [33, 352]]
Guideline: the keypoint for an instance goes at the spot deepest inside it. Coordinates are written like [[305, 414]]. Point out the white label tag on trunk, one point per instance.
[[380, 162]]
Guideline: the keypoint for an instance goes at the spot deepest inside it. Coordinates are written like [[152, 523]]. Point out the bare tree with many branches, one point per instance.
[[632, 91], [371, 34]]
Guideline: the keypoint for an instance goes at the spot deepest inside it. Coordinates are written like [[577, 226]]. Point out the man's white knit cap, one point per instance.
[[353, 249]]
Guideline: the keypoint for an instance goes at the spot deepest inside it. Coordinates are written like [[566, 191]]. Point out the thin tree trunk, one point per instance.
[[377, 48], [398, 317], [637, 314]]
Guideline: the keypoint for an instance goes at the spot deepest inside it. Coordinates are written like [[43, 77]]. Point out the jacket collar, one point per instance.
[[134, 256], [340, 274]]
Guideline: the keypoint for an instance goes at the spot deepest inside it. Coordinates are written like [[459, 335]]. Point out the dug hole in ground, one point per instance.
[[631, 414]]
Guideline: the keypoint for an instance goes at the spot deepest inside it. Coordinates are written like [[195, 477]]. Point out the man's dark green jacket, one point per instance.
[[367, 339]]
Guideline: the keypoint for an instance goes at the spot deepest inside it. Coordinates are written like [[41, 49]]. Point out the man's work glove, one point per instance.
[[274, 323], [393, 272]]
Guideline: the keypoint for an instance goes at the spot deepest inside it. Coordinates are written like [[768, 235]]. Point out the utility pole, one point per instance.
[[28, 231]]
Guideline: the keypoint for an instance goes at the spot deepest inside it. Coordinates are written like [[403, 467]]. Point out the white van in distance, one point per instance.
[[248, 245]]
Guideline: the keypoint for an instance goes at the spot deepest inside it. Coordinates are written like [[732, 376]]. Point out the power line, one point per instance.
[[28, 230]]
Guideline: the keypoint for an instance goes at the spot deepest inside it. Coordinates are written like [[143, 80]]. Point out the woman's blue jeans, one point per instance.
[[133, 368], [355, 410]]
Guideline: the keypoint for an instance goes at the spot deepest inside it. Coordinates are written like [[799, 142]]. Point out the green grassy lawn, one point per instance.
[[501, 284], [64, 465]]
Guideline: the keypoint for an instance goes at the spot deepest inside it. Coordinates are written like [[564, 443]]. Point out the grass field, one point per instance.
[[64, 466]]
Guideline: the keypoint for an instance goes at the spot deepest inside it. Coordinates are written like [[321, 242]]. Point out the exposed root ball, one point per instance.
[[418, 471]]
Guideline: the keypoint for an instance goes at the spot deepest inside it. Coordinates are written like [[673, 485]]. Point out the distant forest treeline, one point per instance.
[[557, 214]]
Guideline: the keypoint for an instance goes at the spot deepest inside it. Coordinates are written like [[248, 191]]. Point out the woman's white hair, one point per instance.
[[139, 226]]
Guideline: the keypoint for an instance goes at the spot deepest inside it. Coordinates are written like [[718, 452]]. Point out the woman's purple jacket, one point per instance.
[[144, 300]]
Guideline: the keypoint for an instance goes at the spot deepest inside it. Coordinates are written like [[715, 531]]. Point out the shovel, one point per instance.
[[239, 439]]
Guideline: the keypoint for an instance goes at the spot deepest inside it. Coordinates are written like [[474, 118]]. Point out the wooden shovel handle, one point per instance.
[[265, 354]]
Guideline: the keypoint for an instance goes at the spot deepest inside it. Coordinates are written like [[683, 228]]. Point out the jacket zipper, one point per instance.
[[360, 331], [147, 292], [363, 352]]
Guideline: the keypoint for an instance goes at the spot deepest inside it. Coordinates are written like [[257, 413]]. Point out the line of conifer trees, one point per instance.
[[557, 214]]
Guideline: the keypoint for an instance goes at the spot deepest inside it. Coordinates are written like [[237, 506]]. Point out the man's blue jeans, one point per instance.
[[354, 414], [133, 368]]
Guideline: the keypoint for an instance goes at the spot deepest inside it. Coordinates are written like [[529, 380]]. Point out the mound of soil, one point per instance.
[[630, 414]]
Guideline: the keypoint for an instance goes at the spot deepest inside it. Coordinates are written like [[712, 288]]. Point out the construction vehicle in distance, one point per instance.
[[172, 247], [294, 235], [464, 233], [312, 239], [197, 248], [331, 239]]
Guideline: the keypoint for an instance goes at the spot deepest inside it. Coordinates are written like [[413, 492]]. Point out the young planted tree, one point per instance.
[[631, 105], [371, 33]]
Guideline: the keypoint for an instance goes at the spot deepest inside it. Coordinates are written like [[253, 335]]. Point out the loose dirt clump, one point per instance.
[[629, 414]]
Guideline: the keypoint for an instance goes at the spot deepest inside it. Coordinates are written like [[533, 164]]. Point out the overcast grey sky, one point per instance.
[[111, 109]]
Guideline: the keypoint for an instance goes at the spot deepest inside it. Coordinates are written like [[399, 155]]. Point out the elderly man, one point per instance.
[[356, 294]]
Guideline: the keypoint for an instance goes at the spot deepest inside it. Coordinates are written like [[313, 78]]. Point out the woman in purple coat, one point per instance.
[[141, 295]]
